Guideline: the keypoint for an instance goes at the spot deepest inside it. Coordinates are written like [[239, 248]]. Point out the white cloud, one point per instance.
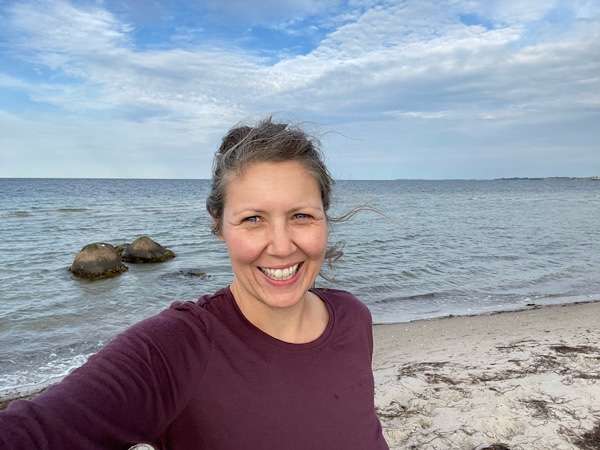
[[387, 62], [269, 12], [93, 48], [72, 146], [512, 11], [59, 27], [384, 61], [394, 56]]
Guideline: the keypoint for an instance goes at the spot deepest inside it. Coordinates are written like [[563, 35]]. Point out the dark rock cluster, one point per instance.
[[101, 260]]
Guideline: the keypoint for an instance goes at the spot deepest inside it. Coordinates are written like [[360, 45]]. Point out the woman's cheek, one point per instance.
[[244, 248], [314, 243]]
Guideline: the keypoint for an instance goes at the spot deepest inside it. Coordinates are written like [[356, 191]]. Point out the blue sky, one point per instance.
[[394, 89]]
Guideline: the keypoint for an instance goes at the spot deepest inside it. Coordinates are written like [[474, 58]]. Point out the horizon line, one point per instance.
[[596, 177]]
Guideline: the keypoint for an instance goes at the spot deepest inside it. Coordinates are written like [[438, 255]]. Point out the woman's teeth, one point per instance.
[[280, 274]]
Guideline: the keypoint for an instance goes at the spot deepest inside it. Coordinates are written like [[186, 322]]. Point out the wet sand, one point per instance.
[[528, 379]]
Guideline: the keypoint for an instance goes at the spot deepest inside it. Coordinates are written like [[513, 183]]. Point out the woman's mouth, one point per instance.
[[283, 274]]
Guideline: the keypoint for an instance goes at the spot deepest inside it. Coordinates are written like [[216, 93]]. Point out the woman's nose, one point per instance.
[[281, 242]]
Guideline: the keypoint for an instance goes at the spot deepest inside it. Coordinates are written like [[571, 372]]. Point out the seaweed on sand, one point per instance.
[[567, 349], [412, 369], [540, 408], [589, 440]]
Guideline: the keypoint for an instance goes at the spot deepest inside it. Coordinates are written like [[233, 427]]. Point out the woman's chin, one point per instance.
[[284, 293]]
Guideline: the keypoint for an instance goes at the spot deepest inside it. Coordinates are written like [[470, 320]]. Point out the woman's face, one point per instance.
[[275, 229]]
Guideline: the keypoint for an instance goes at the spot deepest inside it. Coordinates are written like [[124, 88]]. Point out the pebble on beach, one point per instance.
[[145, 250], [97, 261]]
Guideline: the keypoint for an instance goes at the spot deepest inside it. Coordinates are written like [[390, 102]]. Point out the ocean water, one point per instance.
[[441, 248]]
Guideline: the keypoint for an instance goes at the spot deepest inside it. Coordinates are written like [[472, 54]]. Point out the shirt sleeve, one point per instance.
[[128, 392], [370, 334]]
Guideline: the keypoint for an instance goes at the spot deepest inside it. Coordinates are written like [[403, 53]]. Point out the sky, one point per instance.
[[417, 89]]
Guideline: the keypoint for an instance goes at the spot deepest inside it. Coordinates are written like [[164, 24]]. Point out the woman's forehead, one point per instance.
[[273, 185], [288, 175]]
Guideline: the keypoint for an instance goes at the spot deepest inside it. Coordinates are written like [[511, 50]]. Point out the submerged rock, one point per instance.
[[145, 250], [186, 273], [193, 273], [97, 261]]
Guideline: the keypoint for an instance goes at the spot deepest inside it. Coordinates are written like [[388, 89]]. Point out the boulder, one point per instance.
[[97, 261], [145, 250]]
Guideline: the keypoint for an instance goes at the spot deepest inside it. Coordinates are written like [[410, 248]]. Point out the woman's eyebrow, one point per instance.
[[262, 211], [299, 208], [248, 210]]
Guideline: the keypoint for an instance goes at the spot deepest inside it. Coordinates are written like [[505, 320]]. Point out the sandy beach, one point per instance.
[[528, 379]]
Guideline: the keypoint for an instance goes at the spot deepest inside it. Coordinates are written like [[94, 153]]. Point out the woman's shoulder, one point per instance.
[[342, 301], [202, 305], [190, 317]]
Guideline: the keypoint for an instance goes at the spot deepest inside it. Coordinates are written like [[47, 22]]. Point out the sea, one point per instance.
[[417, 250]]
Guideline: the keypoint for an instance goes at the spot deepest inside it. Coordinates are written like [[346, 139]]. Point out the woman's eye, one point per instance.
[[302, 216], [252, 219]]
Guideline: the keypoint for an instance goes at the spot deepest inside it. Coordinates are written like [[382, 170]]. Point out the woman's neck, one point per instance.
[[297, 324]]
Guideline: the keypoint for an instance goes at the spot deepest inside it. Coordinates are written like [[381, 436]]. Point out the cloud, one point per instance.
[[72, 146], [269, 12], [61, 28], [415, 65], [94, 50], [513, 11], [404, 57], [376, 65]]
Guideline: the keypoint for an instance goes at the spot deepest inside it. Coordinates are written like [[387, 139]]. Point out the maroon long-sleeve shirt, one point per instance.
[[200, 376]]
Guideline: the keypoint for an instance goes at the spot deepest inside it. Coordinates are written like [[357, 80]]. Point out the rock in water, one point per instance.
[[145, 250], [193, 273], [96, 261]]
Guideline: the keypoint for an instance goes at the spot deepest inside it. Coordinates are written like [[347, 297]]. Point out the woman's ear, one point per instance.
[[217, 231]]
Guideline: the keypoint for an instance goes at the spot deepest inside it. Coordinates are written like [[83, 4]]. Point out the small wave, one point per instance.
[[24, 383], [18, 214], [399, 298], [407, 274], [554, 295], [427, 295], [497, 257], [70, 210], [380, 241]]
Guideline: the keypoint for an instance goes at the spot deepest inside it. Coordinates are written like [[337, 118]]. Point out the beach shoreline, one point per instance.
[[528, 378]]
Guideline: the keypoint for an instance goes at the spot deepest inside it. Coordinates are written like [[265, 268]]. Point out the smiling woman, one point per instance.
[[268, 362], [275, 229]]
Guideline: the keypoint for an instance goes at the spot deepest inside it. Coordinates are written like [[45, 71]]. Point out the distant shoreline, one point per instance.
[[593, 177]]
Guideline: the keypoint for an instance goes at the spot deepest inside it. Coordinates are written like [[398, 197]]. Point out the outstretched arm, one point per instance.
[[128, 392]]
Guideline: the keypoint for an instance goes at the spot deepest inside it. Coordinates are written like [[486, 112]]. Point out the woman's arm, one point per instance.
[[128, 392]]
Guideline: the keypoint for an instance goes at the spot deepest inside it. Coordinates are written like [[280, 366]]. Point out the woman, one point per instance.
[[266, 363]]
